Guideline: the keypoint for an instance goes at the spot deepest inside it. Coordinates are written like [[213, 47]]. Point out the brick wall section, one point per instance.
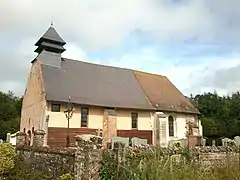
[[195, 141], [57, 136]]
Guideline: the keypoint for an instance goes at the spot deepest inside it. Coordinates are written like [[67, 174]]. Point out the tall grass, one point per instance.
[[153, 164]]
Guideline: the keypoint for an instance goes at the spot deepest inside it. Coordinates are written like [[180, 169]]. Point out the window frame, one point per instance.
[[134, 117], [82, 117], [171, 128], [55, 104]]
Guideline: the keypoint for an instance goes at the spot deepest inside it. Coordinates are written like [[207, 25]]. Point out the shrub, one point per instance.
[[67, 176], [7, 155]]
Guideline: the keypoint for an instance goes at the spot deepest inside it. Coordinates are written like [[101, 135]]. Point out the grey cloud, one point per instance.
[[97, 25], [14, 69], [93, 25], [225, 79]]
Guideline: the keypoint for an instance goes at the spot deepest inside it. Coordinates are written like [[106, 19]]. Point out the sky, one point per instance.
[[195, 43]]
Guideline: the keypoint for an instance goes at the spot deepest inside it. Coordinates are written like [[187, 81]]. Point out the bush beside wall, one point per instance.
[[7, 156]]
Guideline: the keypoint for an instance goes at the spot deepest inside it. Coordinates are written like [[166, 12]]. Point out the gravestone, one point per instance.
[[122, 140], [8, 137], [183, 142], [99, 132], [171, 143], [204, 141], [225, 141], [135, 141], [1, 141], [213, 143], [237, 140]]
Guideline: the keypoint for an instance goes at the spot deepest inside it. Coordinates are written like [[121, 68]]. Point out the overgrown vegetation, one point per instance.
[[67, 176], [153, 164], [7, 156]]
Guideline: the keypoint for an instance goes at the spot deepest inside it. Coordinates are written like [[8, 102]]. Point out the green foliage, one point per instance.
[[154, 164], [67, 176], [137, 164], [7, 155], [220, 116], [177, 144], [13, 168], [10, 112]]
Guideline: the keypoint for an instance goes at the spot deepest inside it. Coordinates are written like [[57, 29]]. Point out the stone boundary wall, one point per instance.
[[52, 162], [84, 160]]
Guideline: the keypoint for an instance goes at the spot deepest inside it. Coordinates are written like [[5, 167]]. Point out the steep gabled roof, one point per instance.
[[93, 84], [106, 86]]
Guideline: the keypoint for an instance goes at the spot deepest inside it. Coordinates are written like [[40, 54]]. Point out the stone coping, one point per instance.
[[49, 150]]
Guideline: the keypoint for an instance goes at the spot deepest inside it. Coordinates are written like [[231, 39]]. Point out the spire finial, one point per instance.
[[51, 23]]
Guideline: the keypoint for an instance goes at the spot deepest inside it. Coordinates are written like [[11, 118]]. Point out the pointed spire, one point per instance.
[[50, 41], [51, 23]]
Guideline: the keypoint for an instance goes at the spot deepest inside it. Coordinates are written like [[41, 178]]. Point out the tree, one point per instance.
[[10, 112], [220, 115]]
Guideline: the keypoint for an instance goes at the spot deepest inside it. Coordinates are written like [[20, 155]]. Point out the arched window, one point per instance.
[[171, 125]]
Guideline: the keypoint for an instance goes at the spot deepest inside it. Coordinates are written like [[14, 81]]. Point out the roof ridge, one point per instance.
[[123, 68]]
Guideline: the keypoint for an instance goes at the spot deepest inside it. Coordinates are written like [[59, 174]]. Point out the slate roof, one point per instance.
[[93, 84], [51, 34], [106, 86]]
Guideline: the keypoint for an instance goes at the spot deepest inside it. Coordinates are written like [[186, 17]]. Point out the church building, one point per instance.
[[66, 97]]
